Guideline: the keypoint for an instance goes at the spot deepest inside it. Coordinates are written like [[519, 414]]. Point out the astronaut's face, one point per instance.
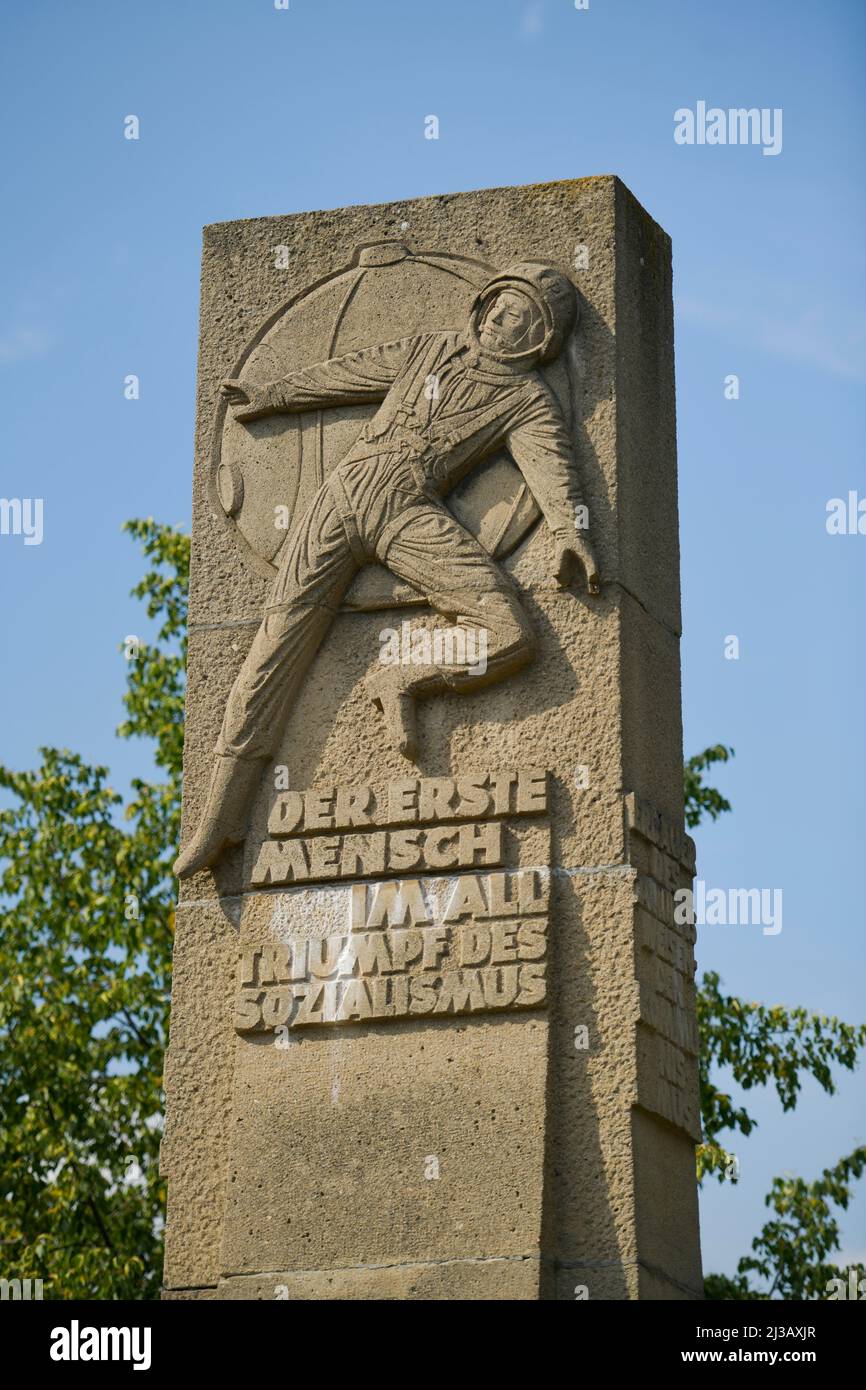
[[507, 323]]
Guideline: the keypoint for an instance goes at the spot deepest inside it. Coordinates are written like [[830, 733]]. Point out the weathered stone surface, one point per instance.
[[394, 1071], [430, 1148], [199, 1067], [446, 1281]]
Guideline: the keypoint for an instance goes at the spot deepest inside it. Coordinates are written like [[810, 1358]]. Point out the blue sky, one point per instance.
[[247, 111]]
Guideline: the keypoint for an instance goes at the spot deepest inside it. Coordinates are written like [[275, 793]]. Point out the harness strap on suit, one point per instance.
[[347, 517]]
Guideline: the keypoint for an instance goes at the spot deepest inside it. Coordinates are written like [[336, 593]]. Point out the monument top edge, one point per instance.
[[551, 185]]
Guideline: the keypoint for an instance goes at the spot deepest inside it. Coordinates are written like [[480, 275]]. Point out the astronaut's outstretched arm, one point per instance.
[[351, 379], [541, 447]]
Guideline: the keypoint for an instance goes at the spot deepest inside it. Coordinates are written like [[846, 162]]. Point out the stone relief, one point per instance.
[[368, 489]]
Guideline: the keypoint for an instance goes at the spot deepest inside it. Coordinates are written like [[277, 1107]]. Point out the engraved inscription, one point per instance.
[[400, 956], [302, 848]]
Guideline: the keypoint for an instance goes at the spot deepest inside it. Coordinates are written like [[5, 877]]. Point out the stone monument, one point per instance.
[[433, 1025]]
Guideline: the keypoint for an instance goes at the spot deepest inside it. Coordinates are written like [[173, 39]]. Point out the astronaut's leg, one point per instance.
[[491, 637], [315, 573]]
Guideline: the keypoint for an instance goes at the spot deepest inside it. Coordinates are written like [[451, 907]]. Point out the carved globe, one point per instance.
[[265, 474]]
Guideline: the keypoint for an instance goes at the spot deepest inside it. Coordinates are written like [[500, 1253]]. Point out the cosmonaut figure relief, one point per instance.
[[384, 504]]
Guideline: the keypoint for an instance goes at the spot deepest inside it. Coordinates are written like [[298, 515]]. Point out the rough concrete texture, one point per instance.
[[497, 1279], [198, 1082], [444, 1148]]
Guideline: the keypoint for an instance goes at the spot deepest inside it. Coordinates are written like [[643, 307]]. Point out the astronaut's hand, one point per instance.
[[572, 554], [247, 400]]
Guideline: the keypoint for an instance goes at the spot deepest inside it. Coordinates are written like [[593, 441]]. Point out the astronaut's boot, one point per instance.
[[224, 819], [387, 690]]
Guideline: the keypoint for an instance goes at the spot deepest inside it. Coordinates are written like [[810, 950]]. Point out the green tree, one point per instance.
[[86, 926], [775, 1047], [702, 800]]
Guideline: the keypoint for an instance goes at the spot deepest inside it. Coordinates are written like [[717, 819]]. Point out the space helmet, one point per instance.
[[555, 301]]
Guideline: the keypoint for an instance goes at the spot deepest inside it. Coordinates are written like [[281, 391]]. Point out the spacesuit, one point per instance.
[[448, 400]]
